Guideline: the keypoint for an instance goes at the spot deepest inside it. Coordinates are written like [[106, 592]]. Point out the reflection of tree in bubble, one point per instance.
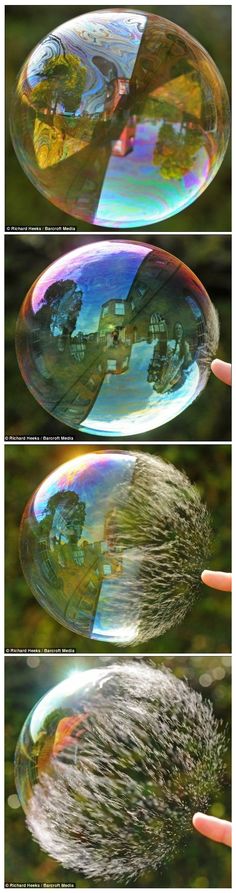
[[64, 517], [57, 316], [65, 311], [117, 768], [60, 532], [55, 98], [55, 539], [62, 84], [176, 151]]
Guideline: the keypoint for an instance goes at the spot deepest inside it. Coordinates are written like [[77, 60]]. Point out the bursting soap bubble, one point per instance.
[[116, 338], [111, 765], [113, 544], [120, 118]]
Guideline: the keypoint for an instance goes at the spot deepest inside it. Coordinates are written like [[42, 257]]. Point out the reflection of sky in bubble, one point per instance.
[[108, 34], [112, 621], [140, 409], [66, 693], [91, 272], [92, 478], [155, 198]]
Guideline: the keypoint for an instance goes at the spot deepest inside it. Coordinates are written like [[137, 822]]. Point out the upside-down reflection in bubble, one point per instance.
[[111, 765], [113, 544], [120, 118], [116, 338]]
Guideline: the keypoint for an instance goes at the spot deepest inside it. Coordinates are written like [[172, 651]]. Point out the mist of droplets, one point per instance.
[[164, 526], [121, 801]]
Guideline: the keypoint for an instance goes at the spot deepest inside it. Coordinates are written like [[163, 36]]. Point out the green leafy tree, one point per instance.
[[63, 82], [175, 153], [72, 515]]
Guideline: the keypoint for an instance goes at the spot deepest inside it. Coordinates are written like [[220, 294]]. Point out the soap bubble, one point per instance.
[[120, 118], [111, 765], [113, 544], [116, 338]]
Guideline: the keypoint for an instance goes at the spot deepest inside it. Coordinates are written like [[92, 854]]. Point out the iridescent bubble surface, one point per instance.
[[116, 338], [120, 118], [112, 763], [113, 543]]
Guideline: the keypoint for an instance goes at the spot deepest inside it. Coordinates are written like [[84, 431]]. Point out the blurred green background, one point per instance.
[[201, 864], [208, 418], [26, 26], [206, 628]]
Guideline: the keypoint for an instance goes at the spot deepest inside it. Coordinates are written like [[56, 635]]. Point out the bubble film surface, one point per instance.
[[111, 765], [112, 544], [120, 118], [116, 338]]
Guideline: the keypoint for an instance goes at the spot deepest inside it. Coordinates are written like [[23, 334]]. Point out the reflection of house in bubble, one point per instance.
[[114, 336], [161, 308]]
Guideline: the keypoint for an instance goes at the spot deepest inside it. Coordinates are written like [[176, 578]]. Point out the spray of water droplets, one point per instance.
[[166, 527], [119, 800]]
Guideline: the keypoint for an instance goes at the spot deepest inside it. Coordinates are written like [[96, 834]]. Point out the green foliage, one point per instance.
[[157, 108], [201, 864], [181, 149], [63, 81]]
